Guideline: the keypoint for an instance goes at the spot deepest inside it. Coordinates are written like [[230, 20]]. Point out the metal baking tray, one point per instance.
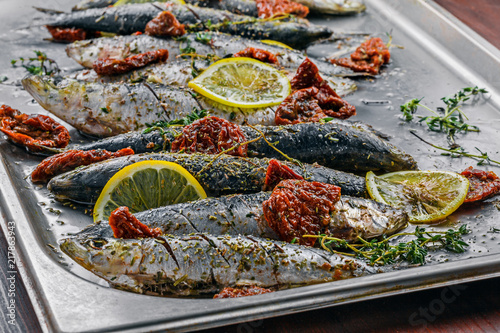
[[438, 56]]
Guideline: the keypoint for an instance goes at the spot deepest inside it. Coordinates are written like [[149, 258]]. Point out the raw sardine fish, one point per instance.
[[340, 145], [86, 52], [243, 215], [224, 175], [201, 264], [128, 19], [247, 7], [108, 109], [180, 71]]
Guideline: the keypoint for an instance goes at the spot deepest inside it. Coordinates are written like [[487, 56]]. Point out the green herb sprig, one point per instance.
[[39, 65], [493, 230], [450, 119], [457, 151], [189, 119], [413, 251]]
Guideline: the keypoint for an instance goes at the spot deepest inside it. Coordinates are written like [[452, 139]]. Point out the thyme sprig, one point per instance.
[[189, 119], [383, 252], [450, 119], [457, 151], [38, 65]]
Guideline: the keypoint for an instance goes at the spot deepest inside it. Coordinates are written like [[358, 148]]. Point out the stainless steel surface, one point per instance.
[[439, 57]]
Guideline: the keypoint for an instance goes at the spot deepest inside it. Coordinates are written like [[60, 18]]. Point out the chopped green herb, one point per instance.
[[39, 65], [450, 119], [203, 37], [413, 251], [189, 119], [457, 151]]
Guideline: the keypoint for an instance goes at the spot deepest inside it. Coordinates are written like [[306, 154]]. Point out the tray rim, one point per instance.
[[27, 256]]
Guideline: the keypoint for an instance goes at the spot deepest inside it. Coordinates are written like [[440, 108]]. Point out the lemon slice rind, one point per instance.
[[427, 196], [242, 82], [147, 195]]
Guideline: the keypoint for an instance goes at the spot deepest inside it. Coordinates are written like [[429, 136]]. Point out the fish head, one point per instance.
[[106, 257], [40, 88], [56, 94]]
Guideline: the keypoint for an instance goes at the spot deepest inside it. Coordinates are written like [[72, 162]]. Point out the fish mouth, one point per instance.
[[76, 251]]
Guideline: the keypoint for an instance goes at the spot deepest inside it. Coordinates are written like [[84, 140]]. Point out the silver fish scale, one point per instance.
[[108, 109], [242, 214], [88, 51], [195, 264]]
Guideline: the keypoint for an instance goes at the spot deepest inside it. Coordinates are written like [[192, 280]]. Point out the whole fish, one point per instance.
[[201, 264], [86, 52], [180, 71], [218, 176], [243, 214], [128, 19], [247, 7], [332, 7], [108, 109], [335, 7], [340, 145], [88, 4]]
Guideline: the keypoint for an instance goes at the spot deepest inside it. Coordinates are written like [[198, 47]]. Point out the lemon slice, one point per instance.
[[275, 43], [242, 82], [145, 185], [427, 196]]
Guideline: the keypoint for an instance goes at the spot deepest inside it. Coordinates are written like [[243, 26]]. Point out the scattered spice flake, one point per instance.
[[32, 131], [210, 135], [70, 35], [272, 8], [368, 57], [71, 159], [109, 66], [125, 225], [483, 184], [259, 54], [277, 172], [299, 207], [165, 24], [312, 99], [230, 292]]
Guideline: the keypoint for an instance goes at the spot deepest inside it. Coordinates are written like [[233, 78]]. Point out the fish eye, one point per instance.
[[97, 243]]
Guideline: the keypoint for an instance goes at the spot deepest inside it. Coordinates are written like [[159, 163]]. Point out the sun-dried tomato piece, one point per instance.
[[310, 105], [71, 159], [165, 24], [298, 207], [483, 184], [277, 172], [312, 99], [230, 292], [271, 8], [308, 76], [125, 225], [259, 54], [32, 131], [368, 57], [110, 66], [70, 35], [210, 135]]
